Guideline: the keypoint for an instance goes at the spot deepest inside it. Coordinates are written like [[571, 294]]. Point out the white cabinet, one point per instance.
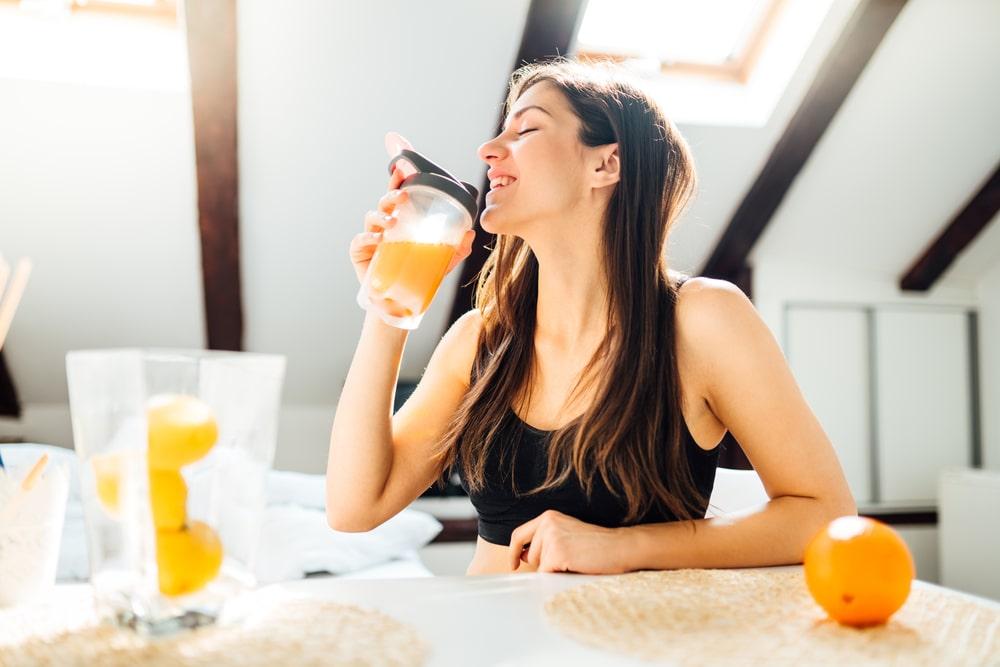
[[827, 350], [923, 399], [892, 387]]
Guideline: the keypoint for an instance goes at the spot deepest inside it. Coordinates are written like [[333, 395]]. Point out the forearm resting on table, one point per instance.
[[361, 453], [776, 533]]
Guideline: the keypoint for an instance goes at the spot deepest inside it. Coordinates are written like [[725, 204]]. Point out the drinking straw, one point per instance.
[[36, 470], [26, 485]]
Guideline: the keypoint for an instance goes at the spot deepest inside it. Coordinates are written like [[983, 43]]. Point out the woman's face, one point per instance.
[[540, 149]]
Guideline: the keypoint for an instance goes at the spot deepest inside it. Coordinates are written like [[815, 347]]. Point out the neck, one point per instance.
[[571, 312]]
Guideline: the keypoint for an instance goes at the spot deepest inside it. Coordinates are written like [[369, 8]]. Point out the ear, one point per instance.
[[608, 170]]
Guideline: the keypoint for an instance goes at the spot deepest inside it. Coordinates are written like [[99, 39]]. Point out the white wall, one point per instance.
[[97, 186], [778, 281], [988, 293]]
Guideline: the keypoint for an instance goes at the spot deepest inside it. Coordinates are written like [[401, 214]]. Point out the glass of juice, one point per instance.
[[174, 447], [411, 260]]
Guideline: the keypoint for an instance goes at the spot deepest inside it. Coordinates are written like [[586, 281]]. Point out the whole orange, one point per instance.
[[188, 558], [182, 429], [859, 570], [168, 498]]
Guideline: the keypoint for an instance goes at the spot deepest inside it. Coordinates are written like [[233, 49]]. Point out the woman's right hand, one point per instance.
[[363, 245]]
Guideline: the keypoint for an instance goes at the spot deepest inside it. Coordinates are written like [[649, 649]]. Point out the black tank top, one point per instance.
[[500, 510]]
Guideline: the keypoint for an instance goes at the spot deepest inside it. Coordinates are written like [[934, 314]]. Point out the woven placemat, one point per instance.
[[299, 631], [766, 617]]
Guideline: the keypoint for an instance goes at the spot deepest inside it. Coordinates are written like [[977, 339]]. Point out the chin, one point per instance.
[[496, 220], [492, 221]]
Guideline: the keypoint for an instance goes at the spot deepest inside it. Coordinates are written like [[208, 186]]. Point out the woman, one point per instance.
[[582, 399]]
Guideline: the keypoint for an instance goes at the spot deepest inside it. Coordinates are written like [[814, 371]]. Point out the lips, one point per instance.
[[495, 176], [501, 183]]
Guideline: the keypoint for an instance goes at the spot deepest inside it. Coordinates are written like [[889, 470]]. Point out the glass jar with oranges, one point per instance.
[[174, 449]]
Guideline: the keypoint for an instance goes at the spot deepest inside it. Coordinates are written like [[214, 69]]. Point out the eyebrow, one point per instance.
[[520, 112]]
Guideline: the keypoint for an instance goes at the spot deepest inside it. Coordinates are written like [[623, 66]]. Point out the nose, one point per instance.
[[493, 149]]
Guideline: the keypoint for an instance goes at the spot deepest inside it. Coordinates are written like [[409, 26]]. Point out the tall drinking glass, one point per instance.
[[174, 447]]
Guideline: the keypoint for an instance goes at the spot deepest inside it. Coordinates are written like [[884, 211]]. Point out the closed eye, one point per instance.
[[526, 131]]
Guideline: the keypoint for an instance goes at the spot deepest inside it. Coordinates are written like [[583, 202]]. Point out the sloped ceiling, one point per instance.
[[729, 158], [914, 140]]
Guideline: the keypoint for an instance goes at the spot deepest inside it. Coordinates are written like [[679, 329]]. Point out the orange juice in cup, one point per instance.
[[413, 256], [405, 275]]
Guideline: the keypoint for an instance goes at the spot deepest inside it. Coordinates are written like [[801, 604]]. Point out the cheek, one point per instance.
[[562, 170], [548, 185], [551, 178]]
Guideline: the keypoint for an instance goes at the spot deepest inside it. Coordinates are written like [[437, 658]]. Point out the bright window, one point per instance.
[[135, 44], [710, 62], [708, 37]]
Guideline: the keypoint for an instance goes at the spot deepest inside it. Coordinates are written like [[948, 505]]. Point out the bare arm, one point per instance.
[[753, 392], [379, 463], [361, 438]]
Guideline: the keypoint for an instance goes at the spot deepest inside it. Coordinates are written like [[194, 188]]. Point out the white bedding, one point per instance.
[[406, 566]]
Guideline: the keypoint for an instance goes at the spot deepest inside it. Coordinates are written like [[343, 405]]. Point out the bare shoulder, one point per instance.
[[459, 344], [720, 333], [704, 304], [712, 316]]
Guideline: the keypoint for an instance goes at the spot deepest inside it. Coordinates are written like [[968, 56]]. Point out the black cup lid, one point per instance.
[[432, 175]]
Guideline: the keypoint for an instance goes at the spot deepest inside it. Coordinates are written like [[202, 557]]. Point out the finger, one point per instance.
[[521, 536], [550, 564], [534, 555], [391, 199], [376, 221], [395, 179], [455, 260], [463, 250], [363, 245]]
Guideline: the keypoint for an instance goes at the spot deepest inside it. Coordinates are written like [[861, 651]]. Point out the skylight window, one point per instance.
[[712, 62], [718, 38]]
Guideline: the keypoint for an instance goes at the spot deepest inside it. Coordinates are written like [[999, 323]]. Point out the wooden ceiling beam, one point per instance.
[[834, 81], [549, 31], [956, 236], [211, 41]]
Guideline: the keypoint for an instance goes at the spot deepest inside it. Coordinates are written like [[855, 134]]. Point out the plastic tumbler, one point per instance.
[[31, 525], [411, 260]]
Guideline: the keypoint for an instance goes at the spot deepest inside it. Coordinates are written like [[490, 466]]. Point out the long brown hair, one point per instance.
[[622, 435]]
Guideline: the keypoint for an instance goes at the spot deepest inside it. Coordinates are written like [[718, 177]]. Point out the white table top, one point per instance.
[[482, 620]]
